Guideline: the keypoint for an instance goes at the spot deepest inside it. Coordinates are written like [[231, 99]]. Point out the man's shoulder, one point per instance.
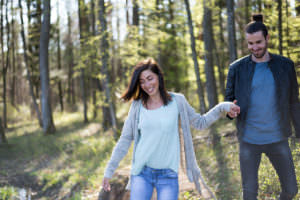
[[240, 61], [281, 58]]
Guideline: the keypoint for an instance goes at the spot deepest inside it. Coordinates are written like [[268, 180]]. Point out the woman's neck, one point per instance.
[[154, 102]]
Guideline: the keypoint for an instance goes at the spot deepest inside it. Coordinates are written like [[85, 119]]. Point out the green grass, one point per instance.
[[68, 162]]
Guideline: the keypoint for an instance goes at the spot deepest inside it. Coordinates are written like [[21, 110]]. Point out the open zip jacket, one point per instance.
[[238, 88]]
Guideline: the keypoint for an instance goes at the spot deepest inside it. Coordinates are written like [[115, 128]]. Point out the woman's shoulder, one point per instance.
[[179, 97], [176, 94]]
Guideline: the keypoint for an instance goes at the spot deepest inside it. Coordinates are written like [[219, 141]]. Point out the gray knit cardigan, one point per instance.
[[188, 117]]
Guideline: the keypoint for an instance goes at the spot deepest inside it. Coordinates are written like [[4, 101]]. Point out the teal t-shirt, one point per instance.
[[262, 122], [159, 145]]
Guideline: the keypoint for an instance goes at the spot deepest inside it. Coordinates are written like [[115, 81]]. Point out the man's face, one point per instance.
[[257, 43]]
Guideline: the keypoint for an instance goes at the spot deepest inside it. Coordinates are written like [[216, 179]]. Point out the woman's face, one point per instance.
[[149, 82]]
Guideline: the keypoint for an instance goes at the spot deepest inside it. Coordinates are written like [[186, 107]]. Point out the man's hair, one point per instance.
[[257, 25]]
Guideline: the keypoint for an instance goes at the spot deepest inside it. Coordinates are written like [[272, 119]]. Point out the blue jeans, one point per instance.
[[164, 180], [281, 158]]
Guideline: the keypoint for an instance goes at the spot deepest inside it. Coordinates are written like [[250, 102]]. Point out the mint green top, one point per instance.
[[158, 146]]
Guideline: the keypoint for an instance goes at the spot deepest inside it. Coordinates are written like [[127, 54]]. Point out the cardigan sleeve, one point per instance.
[[201, 122], [123, 144]]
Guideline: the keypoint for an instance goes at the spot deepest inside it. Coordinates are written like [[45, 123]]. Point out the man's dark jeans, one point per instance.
[[281, 158]]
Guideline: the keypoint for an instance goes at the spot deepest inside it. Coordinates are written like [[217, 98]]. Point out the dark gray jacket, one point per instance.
[[238, 87]]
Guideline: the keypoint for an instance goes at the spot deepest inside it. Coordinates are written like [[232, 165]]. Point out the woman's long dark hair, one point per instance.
[[134, 90]]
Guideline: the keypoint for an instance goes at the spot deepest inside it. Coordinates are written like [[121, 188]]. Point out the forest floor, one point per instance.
[[66, 165], [70, 163]]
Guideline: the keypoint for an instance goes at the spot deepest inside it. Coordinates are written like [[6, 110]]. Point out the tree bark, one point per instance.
[[3, 139], [48, 125], [83, 27], [200, 91], [157, 8], [298, 8], [231, 30], [135, 15], [208, 34], [287, 29], [247, 18], [94, 57], [13, 46], [59, 84], [219, 50], [70, 62], [6, 64], [279, 9], [104, 69], [28, 76]]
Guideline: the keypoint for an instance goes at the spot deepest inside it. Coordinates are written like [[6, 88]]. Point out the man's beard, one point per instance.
[[262, 54]]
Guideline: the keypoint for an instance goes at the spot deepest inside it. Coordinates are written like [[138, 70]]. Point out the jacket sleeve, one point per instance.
[[201, 122], [123, 144], [229, 92], [294, 102]]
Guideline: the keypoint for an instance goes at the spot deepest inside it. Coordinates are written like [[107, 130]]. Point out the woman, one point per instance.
[[153, 125]]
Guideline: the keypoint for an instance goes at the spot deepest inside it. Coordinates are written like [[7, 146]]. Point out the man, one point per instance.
[[265, 87]]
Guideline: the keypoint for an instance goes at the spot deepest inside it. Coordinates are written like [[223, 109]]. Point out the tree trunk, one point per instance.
[[36, 107], [279, 9], [83, 27], [4, 65], [70, 63], [59, 84], [135, 15], [104, 69], [127, 14], [157, 8], [298, 8], [247, 18], [287, 29], [259, 3], [200, 91], [3, 139], [94, 57], [48, 125], [13, 46], [231, 30], [220, 51], [208, 35]]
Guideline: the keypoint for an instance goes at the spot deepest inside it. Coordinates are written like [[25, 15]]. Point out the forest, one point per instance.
[[65, 64]]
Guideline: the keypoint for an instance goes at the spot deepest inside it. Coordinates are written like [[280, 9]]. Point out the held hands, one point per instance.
[[234, 110], [105, 184]]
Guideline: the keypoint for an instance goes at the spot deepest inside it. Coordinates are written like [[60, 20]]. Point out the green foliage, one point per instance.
[[7, 193]]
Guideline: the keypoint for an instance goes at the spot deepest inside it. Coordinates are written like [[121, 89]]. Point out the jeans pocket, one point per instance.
[[170, 174]]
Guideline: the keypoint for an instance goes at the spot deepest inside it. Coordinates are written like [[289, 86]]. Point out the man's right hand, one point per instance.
[[105, 184], [234, 112]]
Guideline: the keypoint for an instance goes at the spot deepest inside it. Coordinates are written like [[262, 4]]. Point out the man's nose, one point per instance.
[[255, 47]]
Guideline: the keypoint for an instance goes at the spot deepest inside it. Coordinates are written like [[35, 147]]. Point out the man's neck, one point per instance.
[[265, 58]]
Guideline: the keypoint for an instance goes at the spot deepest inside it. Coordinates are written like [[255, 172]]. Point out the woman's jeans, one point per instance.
[[281, 158], [164, 180]]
